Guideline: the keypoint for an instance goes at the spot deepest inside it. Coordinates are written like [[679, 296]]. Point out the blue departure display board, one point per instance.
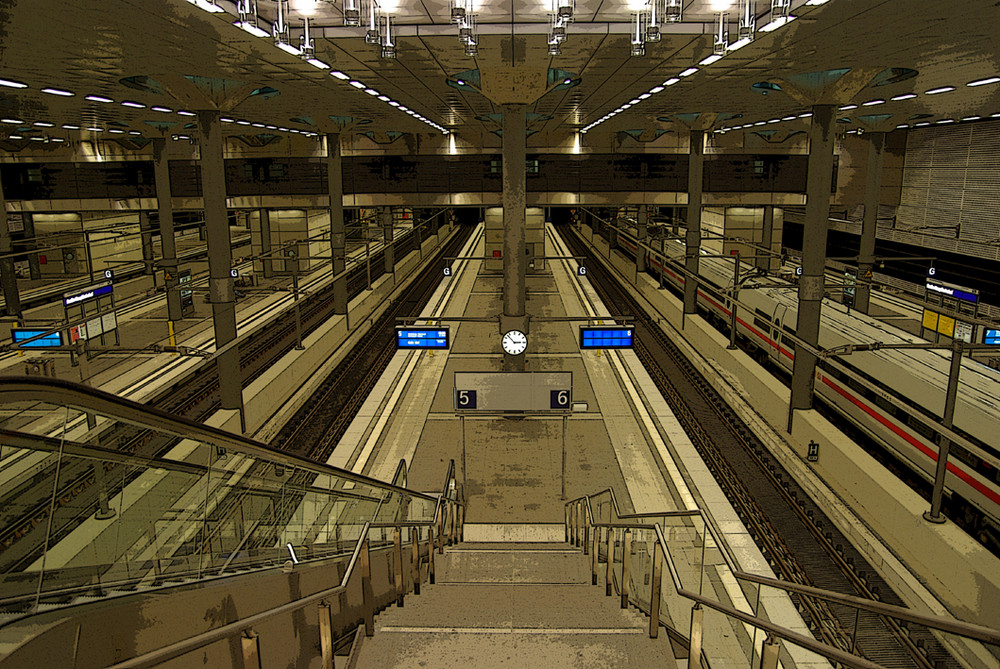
[[422, 337], [992, 337], [51, 340], [606, 337]]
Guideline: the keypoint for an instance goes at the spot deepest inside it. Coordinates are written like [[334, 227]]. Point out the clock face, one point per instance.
[[514, 342]]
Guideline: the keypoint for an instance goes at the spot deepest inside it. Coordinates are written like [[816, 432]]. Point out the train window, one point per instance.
[[788, 342], [762, 320]]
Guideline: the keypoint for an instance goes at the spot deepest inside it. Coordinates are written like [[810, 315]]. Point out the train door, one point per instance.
[[777, 320]]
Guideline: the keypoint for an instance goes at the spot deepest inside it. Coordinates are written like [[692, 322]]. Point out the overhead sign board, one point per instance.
[[513, 391], [89, 293], [422, 337], [50, 340], [992, 337], [592, 337], [953, 291]]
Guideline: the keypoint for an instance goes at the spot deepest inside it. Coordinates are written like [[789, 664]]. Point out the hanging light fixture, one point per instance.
[[653, 26], [721, 36], [563, 9], [282, 32], [638, 45], [372, 34], [352, 13], [674, 11], [555, 48], [388, 46], [247, 10], [780, 8], [748, 22], [458, 11]]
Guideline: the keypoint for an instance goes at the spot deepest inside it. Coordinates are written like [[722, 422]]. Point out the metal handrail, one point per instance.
[[944, 624], [20, 389]]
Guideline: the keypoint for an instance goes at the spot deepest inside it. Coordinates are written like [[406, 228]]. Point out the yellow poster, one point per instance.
[[930, 319], [946, 326]]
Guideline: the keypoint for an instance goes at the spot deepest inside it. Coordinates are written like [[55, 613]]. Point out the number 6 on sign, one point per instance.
[[559, 399]]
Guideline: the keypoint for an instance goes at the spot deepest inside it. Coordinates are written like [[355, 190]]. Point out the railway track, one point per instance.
[[22, 538], [792, 532]]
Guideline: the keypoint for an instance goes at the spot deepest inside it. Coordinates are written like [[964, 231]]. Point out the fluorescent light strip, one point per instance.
[[68, 126], [10, 83], [183, 112], [134, 105], [372, 91], [58, 91], [44, 124], [708, 60], [688, 72], [210, 7], [358, 84], [943, 89], [904, 96], [252, 29], [13, 121], [983, 82], [656, 89], [165, 110], [288, 48], [971, 118], [98, 98], [316, 62], [872, 103], [340, 75], [847, 107], [671, 81], [777, 23]]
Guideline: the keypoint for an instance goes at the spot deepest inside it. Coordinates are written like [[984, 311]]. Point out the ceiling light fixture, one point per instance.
[[10, 83], [184, 112], [98, 98], [983, 82], [872, 103], [942, 89], [357, 84], [671, 81], [721, 39], [847, 107], [248, 21], [340, 75], [971, 118], [372, 35], [388, 49], [281, 31], [656, 89], [44, 124], [904, 96], [165, 110], [133, 104], [12, 121], [207, 5], [688, 72], [58, 91], [638, 44], [69, 126]]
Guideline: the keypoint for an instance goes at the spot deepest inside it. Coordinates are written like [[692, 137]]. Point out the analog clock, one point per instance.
[[514, 342]]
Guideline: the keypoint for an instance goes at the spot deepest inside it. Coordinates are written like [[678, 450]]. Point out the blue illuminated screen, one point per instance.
[[421, 337], [598, 337], [992, 337], [48, 341]]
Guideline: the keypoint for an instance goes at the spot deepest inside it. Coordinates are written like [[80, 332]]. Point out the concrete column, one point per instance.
[[267, 260], [387, 235], [168, 245], [514, 227], [146, 235], [818, 183], [338, 234], [34, 270], [220, 258], [642, 220], [8, 279], [766, 237], [869, 224], [696, 171]]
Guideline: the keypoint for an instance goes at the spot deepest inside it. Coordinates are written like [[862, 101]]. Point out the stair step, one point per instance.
[[555, 565], [511, 532]]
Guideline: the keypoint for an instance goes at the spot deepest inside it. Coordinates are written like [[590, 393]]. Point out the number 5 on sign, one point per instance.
[[559, 399], [465, 399]]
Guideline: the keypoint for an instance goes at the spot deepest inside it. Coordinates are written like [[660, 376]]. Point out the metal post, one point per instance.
[[8, 279], [90, 255], [566, 522], [295, 301], [869, 224], [266, 259], [397, 564], [934, 515], [563, 465], [654, 591], [697, 625], [146, 237], [34, 269], [733, 308], [415, 559], [367, 596], [586, 527], [626, 565], [430, 554], [338, 235], [220, 259], [769, 653], [593, 561], [766, 239], [168, 243], [514, 234], [818, 185], [389, 249], [325, 636], [368, 256], [641, 224], [696, 171], [611, 561]]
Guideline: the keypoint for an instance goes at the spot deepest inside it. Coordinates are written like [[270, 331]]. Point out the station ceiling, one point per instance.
[[173, 56]]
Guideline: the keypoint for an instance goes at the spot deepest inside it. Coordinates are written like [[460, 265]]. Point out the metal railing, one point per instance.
[[103, 496], [703, 571]]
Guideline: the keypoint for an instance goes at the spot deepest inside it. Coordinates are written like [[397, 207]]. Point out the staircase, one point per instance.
[[517, 605]]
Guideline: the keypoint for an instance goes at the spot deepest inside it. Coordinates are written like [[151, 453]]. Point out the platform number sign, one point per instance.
[[931, 271], [559, 399], [447, 270], [465, 399], [581, 270], [109, 275], [798, 271]]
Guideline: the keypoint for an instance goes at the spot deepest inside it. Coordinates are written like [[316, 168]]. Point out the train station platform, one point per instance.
[[517, 472]]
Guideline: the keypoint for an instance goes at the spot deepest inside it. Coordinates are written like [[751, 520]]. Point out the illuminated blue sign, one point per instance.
[[992, 337], [87, 294], [421, 337], [953, 291], [606, 337], [51, 340]]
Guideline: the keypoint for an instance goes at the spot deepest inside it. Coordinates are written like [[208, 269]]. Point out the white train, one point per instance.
[[909, 382]]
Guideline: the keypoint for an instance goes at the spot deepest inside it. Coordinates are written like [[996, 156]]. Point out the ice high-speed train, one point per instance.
[[915, 379]]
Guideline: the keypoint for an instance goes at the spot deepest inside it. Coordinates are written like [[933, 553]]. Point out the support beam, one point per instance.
[[338, 235], [387, 235], [8, 279], [266, 248], [818, 184], [514, 234], [869, 224], [642, 221], [168, 244], [146, 237], [764, 258], [696, 171], [34, 268], [220, 258]]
